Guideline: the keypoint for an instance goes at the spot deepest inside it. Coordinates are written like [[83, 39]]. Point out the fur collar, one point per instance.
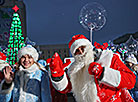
[[31, 69]]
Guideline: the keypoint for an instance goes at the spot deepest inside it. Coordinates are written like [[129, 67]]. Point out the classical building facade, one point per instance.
[[48, 50]]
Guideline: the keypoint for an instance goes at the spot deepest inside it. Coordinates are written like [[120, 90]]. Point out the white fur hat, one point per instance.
[[3, 64], [77, 41], [131, 58], [30, 50]]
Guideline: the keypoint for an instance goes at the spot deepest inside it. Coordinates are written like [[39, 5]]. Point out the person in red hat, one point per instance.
[[3, 64], [96, 75], [3, 56]]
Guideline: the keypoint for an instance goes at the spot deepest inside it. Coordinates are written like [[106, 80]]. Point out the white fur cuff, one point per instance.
[[61, 85], [111, 77]]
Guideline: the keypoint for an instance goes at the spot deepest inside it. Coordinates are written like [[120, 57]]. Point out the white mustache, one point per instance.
[[81, 57]]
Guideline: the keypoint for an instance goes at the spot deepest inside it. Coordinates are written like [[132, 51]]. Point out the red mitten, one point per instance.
[[95, 69], [57, 66], [48, 61]]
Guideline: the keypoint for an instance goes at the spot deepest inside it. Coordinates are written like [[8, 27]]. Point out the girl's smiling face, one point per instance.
[[26, 61]]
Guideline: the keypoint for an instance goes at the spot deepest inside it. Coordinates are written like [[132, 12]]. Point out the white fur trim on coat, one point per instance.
[[60, 85], [111, 77], [5, 91], [106, 58], [78, 43]]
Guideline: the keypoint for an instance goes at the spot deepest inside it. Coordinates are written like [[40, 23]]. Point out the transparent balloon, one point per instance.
[[92, 16]]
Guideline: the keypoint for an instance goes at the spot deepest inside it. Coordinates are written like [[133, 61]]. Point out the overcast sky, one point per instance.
[[56, 21]]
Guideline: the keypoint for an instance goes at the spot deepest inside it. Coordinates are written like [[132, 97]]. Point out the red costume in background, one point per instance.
[[2, 64]]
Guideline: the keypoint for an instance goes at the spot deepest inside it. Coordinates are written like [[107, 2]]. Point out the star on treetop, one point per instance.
[[15, 8]]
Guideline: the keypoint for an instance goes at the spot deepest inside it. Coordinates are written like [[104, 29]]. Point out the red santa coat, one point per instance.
[[57, 96], [115, 78]]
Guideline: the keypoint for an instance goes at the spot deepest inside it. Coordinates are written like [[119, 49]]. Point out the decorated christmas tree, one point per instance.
[[16, 39]]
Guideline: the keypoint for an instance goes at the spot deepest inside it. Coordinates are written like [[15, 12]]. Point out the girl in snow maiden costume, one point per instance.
[[96, 75], [29, 83]]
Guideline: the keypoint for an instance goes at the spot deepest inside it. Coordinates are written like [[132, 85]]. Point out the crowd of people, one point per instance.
[[132, 64], [97, 75]]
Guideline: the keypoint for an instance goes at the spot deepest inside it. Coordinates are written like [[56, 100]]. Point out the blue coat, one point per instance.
[[30, 85]]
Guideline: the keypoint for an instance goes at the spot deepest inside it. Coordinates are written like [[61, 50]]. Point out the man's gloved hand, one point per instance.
[[95, 69], [57, 66]]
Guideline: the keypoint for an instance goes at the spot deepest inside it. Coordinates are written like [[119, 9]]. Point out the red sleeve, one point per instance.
[[57, 96], [128, 78]]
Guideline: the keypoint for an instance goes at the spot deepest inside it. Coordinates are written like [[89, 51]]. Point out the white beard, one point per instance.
[[83, 84], [83, 60]]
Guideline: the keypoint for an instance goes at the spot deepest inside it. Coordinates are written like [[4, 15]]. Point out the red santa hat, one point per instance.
[[3, 62], [30, 50], [3, 56], [77, 41]]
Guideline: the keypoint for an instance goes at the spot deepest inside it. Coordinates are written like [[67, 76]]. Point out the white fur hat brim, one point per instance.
[[78, 43], [28, 50], [3, 64]]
